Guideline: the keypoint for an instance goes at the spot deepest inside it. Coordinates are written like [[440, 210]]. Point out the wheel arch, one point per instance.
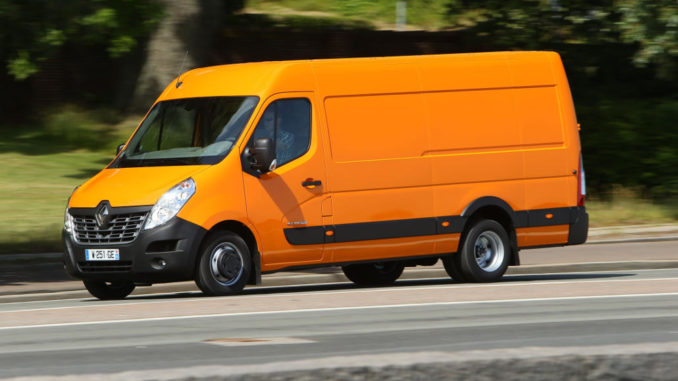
[[494, 208]]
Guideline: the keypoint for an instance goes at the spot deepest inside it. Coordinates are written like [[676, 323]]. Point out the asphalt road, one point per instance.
[[294, 327]]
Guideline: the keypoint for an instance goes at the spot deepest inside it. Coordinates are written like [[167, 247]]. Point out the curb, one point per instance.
[[632, 240]]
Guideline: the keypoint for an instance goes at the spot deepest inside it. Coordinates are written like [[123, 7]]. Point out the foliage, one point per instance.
[[654, 26], [32, 31], [632, 142], [529, 24]]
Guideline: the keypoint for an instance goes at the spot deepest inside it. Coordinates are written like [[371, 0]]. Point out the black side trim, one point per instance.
[[313, 235], [487, 201], [365, 231], [456, 224], [540, 217], [384, 229], [333, 264]]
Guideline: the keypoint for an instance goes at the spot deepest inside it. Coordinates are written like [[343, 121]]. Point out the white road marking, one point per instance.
[[255, 313]]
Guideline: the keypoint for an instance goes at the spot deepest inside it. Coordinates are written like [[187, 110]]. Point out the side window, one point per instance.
[[288, 123]]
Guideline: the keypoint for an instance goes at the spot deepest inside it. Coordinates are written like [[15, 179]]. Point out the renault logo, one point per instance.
[[103, 215]]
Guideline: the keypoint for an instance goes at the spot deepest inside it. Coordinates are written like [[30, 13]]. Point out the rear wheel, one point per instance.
[[225, 264], [109, 290], [484, 254], [374, 274]]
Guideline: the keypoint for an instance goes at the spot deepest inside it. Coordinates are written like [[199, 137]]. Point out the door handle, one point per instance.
[[310, 183]]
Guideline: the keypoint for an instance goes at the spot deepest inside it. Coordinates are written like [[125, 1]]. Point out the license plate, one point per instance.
[[102, 254]]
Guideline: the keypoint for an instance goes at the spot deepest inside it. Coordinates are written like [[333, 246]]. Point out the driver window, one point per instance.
[[288, 123]]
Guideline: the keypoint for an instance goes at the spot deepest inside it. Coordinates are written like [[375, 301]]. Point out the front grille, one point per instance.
[[123, 228], [105, 266]]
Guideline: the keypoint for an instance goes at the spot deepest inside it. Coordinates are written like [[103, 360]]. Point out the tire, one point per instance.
[[485, 252], [374, 274], [225, 264], [452, 266], [109, 290]]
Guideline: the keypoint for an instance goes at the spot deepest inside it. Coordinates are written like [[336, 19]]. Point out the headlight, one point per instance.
[[68, 221], [170, 203]]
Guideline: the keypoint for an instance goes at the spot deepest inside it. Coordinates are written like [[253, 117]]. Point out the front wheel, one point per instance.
[[374, 274], [109, 290], [225, 264], [485, 252]]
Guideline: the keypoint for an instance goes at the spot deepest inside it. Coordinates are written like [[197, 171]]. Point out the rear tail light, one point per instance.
[[581, 183]]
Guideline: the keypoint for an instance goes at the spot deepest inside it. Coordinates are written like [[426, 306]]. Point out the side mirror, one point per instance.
[[263, 155], [120, 147]]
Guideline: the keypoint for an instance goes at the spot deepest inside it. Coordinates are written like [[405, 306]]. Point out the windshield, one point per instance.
[[190, 131]]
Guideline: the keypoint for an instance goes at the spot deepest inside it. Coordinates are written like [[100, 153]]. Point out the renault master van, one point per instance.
[[371, 164]]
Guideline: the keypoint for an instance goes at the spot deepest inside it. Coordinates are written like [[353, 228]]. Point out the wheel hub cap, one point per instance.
[[226, 264], [489, 251]]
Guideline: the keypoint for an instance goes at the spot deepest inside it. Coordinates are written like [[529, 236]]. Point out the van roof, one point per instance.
[[262, 78]]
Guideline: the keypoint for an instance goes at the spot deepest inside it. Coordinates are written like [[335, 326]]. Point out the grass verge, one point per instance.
[[381, 14], [626, 207], [40, 167]]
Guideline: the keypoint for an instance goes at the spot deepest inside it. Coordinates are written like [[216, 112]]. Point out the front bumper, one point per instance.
[[176, 244]]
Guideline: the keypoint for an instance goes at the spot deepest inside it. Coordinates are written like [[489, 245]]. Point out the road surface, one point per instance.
[[275, 328]]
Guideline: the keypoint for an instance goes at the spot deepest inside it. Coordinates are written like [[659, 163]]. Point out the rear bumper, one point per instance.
[[579, 226], [176, 244]]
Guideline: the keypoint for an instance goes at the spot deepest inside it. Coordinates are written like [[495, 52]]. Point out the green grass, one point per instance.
[[39, 169], [626, 207], [421, 14]]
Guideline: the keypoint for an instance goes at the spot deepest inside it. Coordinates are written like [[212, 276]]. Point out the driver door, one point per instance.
[[290, 196]]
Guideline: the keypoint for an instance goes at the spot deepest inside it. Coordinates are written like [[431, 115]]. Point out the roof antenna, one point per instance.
[[181, 71]]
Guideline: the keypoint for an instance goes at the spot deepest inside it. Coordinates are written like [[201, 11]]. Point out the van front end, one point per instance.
[[110, 244]]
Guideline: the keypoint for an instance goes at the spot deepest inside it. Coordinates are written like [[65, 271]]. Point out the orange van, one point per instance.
[[371, 164]]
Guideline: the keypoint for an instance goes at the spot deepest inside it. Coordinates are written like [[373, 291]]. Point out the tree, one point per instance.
[[180, 42], [529, 24], [32, 31]]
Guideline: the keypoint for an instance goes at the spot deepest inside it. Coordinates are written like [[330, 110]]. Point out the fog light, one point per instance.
[[158, 263]]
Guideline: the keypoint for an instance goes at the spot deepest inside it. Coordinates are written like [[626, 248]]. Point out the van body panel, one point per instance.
[[454, 199], [366, 76], [360, 251], [375, 164], [131, 186], [219, 196], [531, 69], [401, 114], [542, 236], [475, 71]]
